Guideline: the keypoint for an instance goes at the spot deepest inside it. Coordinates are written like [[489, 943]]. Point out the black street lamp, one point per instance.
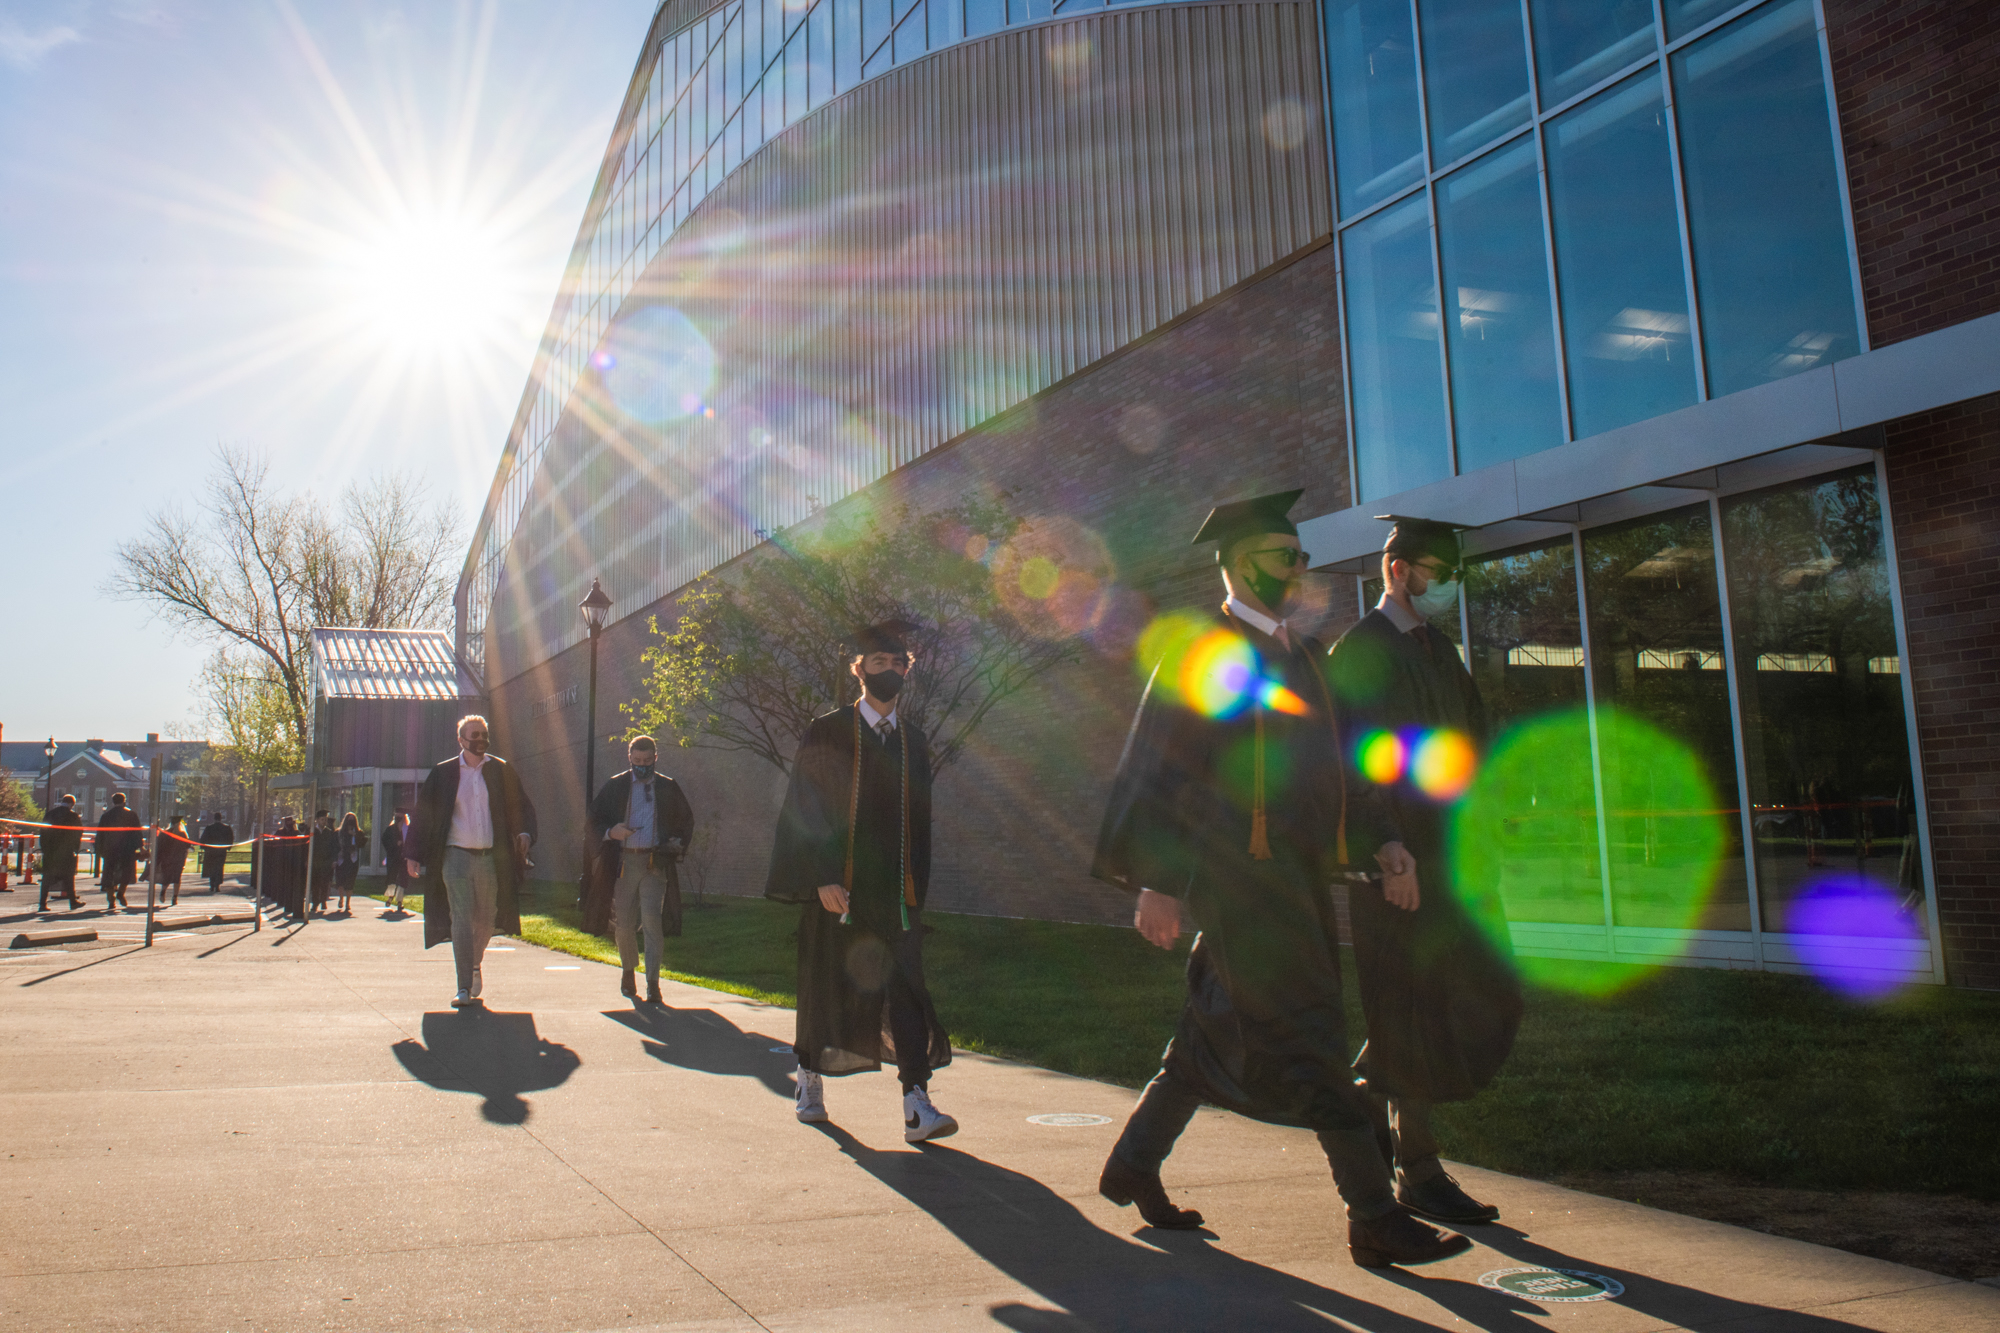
[[596, 610], [49, 780]]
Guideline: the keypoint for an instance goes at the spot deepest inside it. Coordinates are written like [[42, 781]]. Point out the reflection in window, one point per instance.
[[1651, 587], [1475, 73], [1764, 206], [1392, 321], [1500, 339], [1583, 42], [1372, 70], [1825, 747], [1618, 259], [1684, 16], [1527, 658]]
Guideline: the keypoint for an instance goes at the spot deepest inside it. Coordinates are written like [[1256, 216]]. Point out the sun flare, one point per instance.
[[436, 284]]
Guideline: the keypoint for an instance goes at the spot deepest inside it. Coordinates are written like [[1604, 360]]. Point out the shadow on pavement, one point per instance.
[[498, 1056], [706, 1042]]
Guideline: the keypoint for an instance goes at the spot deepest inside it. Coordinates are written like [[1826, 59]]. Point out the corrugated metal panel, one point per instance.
[[919, 255], [384, 664]]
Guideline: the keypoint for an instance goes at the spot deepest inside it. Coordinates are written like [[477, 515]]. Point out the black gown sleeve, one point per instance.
[[809, 847], [1144, 841]]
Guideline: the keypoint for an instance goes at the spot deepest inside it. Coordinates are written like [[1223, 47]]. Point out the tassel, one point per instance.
[[1260, 840]]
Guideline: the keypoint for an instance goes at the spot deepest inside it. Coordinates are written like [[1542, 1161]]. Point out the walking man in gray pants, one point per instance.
[[468, 847], [645, 822]]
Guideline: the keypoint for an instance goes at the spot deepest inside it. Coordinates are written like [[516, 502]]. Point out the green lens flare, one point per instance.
[[1527, 837]]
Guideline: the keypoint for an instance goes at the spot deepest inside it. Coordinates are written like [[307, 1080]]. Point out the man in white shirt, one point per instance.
[[468, 845]]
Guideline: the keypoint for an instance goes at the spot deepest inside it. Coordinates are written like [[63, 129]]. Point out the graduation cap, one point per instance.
[[884, 636], [1230, 523], [1415, 538]]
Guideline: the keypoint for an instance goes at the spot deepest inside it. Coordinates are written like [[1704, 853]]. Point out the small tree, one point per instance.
[[755, 654], [17, 801]]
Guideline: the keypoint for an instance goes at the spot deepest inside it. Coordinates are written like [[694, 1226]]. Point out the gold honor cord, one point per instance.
[[853, 820], [1260, 839]]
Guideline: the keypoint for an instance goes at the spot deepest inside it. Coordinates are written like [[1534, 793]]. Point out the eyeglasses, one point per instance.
[[1447, 575], [1290, 557]]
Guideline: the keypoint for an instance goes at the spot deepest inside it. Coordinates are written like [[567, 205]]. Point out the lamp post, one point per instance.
[[49, 780], [596, 608]]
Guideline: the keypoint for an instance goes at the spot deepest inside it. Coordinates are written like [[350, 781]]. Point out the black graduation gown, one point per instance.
[[59, 845], [1438, 985], [215, 840], [866, 830], [1262, 1032], [170, 854], [119, 851]]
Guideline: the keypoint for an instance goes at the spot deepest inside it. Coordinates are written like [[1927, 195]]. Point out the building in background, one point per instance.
[[1685, 310], [94, 770]]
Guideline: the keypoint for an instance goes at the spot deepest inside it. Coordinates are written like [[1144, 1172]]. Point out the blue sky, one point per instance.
[[327, 233]]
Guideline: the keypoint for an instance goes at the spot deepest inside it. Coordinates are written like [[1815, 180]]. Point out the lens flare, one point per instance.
[[1383, 757], [1054, 576], [657, 366], [1219, 675], [1854, 936], [1443, 764], [1281, 700]]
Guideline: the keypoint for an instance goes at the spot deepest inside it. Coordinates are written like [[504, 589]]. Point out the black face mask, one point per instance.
[[1269, 589], [642, 772], [883, 684]]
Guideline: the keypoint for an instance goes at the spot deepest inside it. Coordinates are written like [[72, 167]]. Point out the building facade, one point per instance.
[[1715, 395]]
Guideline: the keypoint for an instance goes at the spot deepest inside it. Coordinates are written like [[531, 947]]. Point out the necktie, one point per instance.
[[885, 729]]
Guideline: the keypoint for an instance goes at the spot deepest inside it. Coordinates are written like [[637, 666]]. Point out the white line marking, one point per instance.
[[562, 968]]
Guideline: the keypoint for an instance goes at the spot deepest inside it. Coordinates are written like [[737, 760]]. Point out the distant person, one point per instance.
[[284, 859], [325, 851], [645, 817], [348, 846], [170, 854], [397, 868], [60, 845], [216, 840], [468, 847], [853, 848], [118, 851]]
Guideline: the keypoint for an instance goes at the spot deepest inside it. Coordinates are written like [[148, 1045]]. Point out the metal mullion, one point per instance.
[[1388, 203], [1437, 256], [1339, 271], [1920, 800], [1840, 173], [1710, 26], [1596, 749], [1737, 724], [1671, 109], [1548, 224]]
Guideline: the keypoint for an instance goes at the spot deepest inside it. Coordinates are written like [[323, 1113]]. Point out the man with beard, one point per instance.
[[644, 817], [1230, 806], [215, 842], [60, 843], [1438, 986], [854, 848]]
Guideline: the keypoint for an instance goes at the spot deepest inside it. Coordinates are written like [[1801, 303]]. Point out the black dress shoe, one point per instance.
[[1401, 1239], [1123, 1185], [628, 987], [653, 993], [1441, 1200]]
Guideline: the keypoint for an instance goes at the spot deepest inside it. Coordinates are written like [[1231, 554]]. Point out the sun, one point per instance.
[[439, 283]]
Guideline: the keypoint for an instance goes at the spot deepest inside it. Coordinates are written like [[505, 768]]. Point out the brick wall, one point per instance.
[[1946, 509], [1918, 87], [1241, 397]]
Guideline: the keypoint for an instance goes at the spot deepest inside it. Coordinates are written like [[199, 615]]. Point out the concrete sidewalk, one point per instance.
[[291, 1130]]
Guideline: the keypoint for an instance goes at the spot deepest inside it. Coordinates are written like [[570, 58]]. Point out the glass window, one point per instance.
[[1377, 143], [1684, 16], [795, 77], [876, 22], [947, 23], [732, 67], [1764, 206], [984, 16], [774, 46], [910, 40], [1501, 337], [846, 44], [1527, 659], [1656, 655], [1618, 259], [1579, 43], [1475, 73], [819, 53], [1825, 747], [1392, 326]]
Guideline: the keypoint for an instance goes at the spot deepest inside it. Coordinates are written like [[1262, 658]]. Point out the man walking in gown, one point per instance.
[[853, 848], [1229, 807], [215, 842], [59, 846], [645, 817], [1438, 987], [118, 852]]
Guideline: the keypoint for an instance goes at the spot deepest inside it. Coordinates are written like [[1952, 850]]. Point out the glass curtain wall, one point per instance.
[[1679, 187]]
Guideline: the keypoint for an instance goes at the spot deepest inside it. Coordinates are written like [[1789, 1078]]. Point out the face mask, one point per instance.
[[1436, 599], [642, 772], [884, 684]]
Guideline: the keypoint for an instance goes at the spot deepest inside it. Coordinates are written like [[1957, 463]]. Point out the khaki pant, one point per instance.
[[472, 887], [639, 901]]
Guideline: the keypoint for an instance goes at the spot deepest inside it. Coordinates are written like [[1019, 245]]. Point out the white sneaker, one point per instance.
[[462, 1000], [922, 1121], [478, 982], [812, 1099]]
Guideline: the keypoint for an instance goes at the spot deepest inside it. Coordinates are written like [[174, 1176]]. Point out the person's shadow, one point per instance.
[[706, 1042], [498, 1056]]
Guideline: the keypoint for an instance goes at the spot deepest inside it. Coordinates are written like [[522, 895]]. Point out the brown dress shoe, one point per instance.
[[653, 991], [627, 986], [1123, 1185], [1401, 1239]]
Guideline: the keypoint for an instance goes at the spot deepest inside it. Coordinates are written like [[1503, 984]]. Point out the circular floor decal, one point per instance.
[[1553, 1284], [1068, 1118]]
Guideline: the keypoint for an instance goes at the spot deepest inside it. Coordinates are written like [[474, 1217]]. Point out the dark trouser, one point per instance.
[[59, 885], [1165, 1108], [215, 880], [1415, 1140], [906, 1022]]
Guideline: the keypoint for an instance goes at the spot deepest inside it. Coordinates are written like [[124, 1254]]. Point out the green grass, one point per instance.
[[1759, 1076]]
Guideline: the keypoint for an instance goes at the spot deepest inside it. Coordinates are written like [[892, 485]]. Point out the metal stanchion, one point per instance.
[[152, 845], [257, 850]]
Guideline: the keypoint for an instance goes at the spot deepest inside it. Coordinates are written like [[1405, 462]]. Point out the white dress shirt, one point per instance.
[[472, 815], [1399, 615], [639, 817], [875, 719], [1257, 620]]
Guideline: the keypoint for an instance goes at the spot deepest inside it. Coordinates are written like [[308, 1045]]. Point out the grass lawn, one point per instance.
[[1755, 1076]]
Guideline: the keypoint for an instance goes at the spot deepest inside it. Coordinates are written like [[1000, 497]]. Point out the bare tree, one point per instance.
[[257, 571]]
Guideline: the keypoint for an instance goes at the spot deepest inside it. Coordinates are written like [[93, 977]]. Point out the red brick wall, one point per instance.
[[1918, 87], [1240, 398], [1946, 509]]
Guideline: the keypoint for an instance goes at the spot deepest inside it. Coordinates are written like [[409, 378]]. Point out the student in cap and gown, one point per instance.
[[1230, 806], [59, 845], [118, 850], [853, 847], [215, 843], [1437, 980], [170, 854]]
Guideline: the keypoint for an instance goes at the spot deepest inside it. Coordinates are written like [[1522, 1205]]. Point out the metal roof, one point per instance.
[[385, 664]]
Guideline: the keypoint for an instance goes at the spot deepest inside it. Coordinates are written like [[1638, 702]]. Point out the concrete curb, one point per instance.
[[30, 939]]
